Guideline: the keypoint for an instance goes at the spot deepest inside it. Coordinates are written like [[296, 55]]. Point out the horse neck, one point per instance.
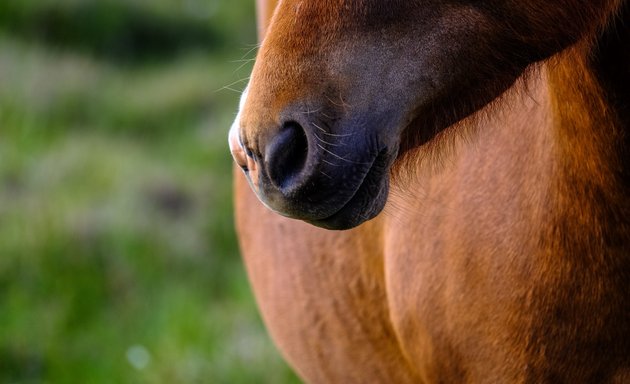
[[561, 135], [590, 117]]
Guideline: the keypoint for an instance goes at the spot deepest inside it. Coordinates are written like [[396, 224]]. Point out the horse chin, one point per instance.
[[366, 204], [367, 201]]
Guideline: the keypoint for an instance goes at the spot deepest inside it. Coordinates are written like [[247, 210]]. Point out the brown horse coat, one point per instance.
[[502, 251]]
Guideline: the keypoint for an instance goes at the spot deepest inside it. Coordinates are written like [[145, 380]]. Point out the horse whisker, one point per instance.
[[329, 143], [250, 50], [339, 157], [330, 134], [308, 111], [325, 174], [243, 60], [232, 83], [329, 163]]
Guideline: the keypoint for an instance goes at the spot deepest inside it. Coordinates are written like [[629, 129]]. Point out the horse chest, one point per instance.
[[451, 283], [384, 302], [434, 290], [458, 275]]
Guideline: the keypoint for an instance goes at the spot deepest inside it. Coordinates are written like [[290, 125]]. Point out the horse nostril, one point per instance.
[[285, 155]]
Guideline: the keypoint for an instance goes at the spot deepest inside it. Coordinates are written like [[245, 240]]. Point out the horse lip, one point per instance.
[[331, 220], [336, 221], [276, 199]]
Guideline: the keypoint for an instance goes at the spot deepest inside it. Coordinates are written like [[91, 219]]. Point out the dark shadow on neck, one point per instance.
[[610, 61]]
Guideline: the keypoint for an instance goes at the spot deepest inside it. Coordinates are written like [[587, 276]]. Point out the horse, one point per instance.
[[437, 191]]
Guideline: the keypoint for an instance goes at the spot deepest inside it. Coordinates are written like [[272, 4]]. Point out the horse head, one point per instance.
[[342, 88]]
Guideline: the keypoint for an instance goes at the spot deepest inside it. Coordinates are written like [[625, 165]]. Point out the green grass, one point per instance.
[[118, 258]]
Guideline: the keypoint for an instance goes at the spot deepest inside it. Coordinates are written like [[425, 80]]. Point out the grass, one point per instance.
[[118, 259]]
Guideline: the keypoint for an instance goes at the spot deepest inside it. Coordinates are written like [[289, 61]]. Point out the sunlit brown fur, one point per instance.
[[502, 255]]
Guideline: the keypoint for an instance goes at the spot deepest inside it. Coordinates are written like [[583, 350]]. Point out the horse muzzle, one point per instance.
[[303, 171]]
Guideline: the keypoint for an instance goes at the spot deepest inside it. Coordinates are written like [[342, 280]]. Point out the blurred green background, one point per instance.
[[118, 258]]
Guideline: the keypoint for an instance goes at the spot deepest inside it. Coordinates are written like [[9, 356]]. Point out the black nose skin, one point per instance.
[[285, 157]]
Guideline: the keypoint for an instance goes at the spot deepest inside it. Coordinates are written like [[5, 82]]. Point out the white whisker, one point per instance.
[[330, 134], [329, 163], [226, 88], [308, 111], [233, 83], [339, 157], [245, 62], [250, 50], [325, 174], [326, 142]]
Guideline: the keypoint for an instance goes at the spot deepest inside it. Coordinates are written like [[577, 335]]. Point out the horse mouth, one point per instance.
[[367, 201]]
